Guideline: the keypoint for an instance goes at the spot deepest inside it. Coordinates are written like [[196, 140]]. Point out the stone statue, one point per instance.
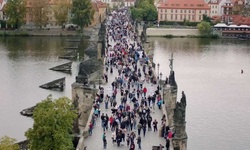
[[144, 33], [180, 110], [82, 74], [171, 62], [171, 79]]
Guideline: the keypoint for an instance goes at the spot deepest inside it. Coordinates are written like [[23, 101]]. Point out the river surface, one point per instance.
[[24, 65], [218, 95]]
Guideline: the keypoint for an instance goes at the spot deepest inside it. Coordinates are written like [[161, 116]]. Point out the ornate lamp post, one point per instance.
[[160, 81], [158, 67], [99, 80]]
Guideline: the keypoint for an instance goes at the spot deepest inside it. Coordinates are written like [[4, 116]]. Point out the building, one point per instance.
[[119, 3], [49, 5], [100, 10], [180, 10], [227, 11], [214, 8], [129, 3], [2, 4]]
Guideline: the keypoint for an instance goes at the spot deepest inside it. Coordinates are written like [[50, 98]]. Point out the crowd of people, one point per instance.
[[130, 102]]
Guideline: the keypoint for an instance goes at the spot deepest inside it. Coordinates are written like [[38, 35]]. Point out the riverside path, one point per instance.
[[128, 74]]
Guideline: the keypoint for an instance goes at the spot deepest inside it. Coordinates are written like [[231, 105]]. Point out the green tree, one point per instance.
[[144, 11], [61, 11], [15, 11], [82, 13], [53, 124], [40, 9], [137, 14], [207, 19], [7, 143], [204, 28]]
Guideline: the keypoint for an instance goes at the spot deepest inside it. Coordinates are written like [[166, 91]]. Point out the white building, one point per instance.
[[119, 3], [214, 7]]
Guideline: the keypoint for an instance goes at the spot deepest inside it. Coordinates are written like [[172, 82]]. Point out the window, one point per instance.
[[171, 10], [176, 11], [199, 17], [165, 17], [161, 17], [184, 11], [181, 10], [175, 17], [189, 11], [181, 17], [165, 10], [200, 11], [171, 16]]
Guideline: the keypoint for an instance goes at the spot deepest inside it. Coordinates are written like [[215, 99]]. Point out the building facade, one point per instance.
[[100, 10], [49, 7], [180, 10], [214, 8]]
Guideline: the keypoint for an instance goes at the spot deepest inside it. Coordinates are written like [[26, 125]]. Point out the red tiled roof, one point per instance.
[[241, 20], [100, 4], [213, 2], [184, 4]]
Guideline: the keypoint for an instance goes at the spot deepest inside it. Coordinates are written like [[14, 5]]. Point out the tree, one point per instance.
[[61, 11], [207, 19], [15, 12], [7, 143], [144, 11], [40, 9], [53, 124], [82, 13], [204, 27]]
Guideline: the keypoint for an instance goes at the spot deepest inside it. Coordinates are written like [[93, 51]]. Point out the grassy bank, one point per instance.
[[212, 36], [14, 33]]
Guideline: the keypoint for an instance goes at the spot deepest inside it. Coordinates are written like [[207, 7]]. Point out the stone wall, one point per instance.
[[170, 97], [84, 96], [171, 31]]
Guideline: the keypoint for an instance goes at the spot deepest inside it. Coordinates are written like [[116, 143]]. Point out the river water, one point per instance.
[[218, 95], [24, 65]]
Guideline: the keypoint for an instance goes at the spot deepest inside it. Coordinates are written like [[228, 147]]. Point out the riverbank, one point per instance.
[[52, 32], [178, 33]]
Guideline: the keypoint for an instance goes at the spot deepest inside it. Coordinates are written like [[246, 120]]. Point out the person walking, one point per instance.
[[144, 127], [104, 140], [139, 141], [139, 126], [167, 144], [155, 125], [144, 91], [90, 128], [132, 146]]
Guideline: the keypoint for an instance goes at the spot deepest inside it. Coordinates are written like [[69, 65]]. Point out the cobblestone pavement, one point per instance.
[[94, 142]]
